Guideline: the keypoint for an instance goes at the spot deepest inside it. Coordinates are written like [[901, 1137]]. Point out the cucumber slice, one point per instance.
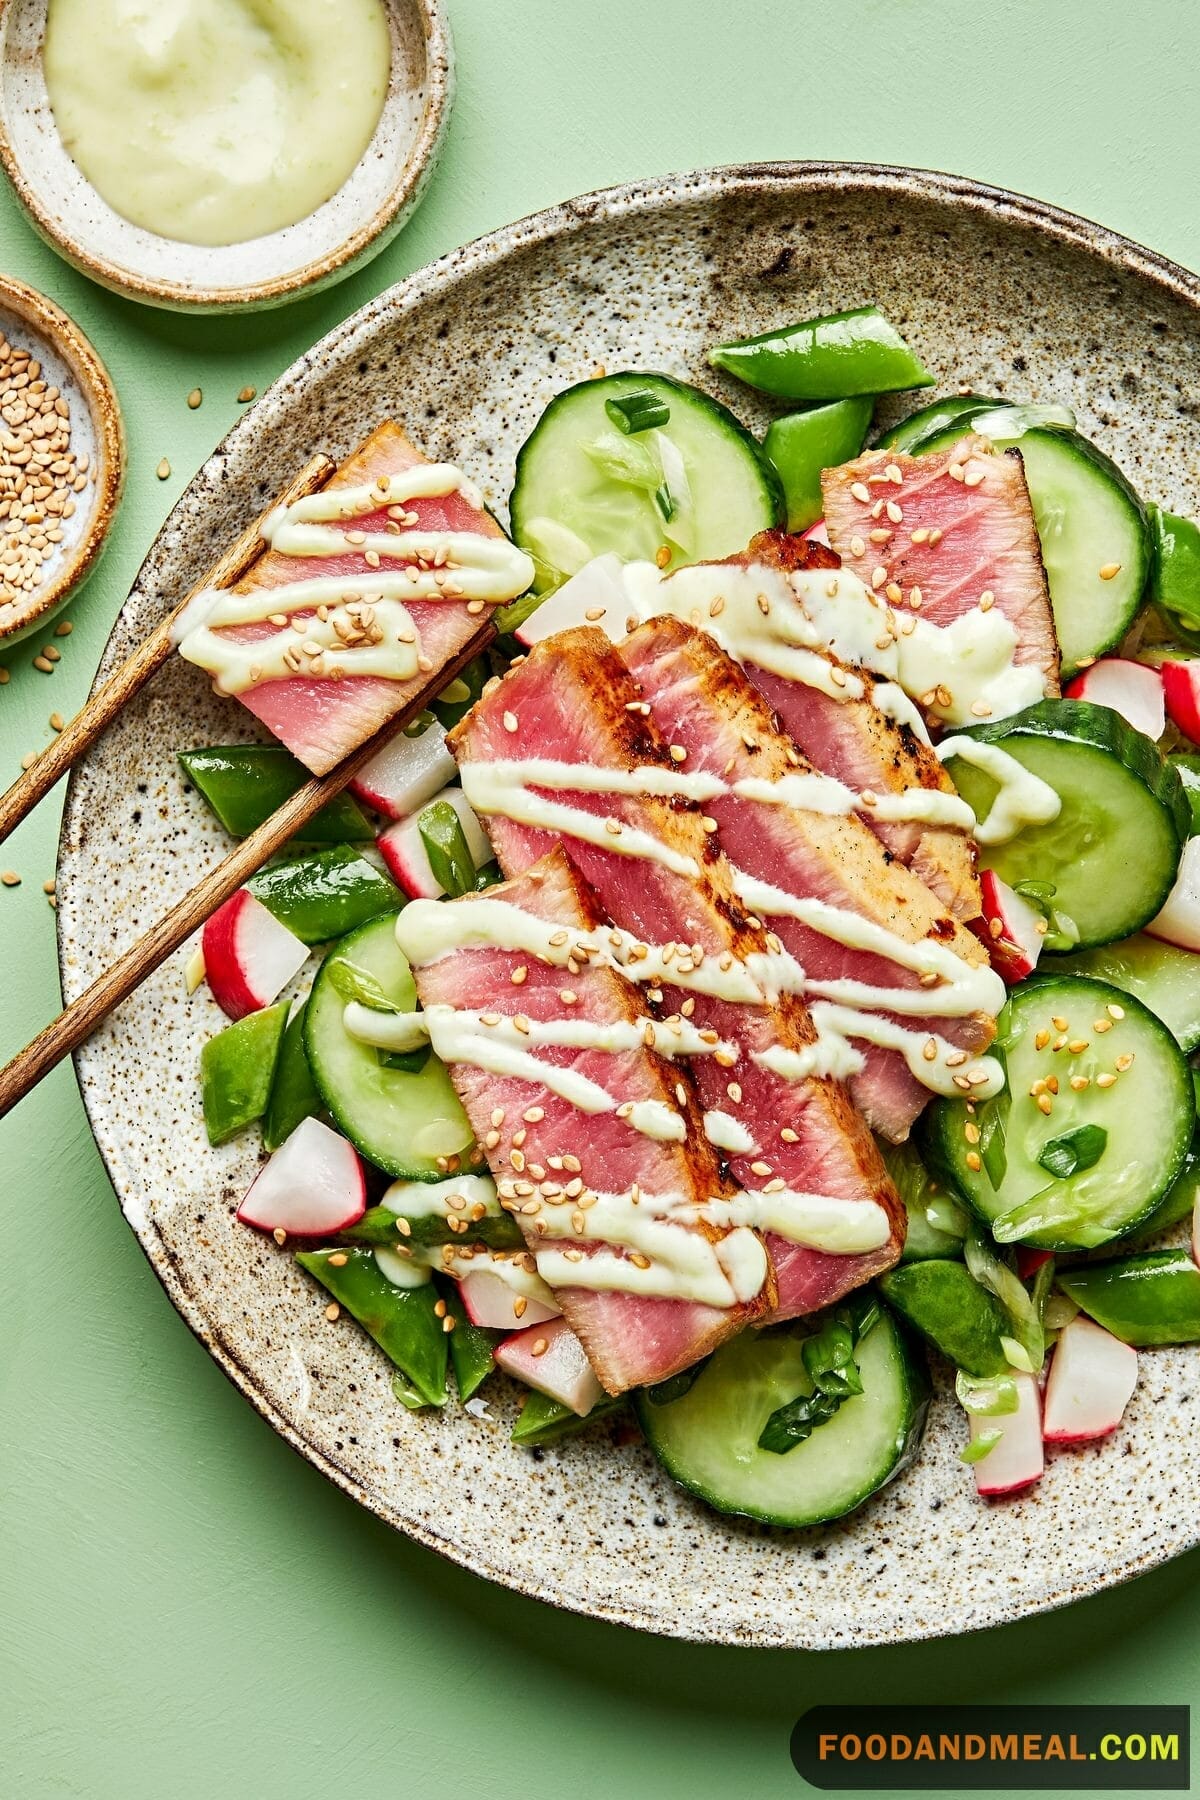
[[708, 1438], [700, 486], [401, 1121], [1179, 1201], [930, 1208], [931, 423], [1112, 854], [1088, 518], [1163, 977], [1129, 1137]]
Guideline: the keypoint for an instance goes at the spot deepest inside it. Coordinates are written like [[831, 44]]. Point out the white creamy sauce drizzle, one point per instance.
[[403, 1271], [493, 788], [507, 1267], [668, 1037], [1023, 798], [808, 612], [819, 1221], [431, 1199], [728, 1133], [683, 1263], [368, 630]]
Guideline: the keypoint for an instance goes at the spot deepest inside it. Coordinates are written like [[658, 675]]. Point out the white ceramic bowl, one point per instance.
[[352, 226]]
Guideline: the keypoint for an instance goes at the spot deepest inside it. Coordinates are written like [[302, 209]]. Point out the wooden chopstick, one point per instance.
[[93, 1006], [81, 732]]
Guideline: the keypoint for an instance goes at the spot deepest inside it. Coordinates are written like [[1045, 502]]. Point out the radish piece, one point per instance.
[[1181, 687], [248, 955], [1128, 688], [1092, 1376], [817, 534], [598, 588], [1018, 1459], [1015, 951], [1179, 921], [406, 855], [313, 1185], [491, 1301], [407, 773], [550, 1358], [1030, 1261]]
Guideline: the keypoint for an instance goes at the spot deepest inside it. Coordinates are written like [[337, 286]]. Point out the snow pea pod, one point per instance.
[[802, 444], [245, 783], [380, 1225], [830, 358], [325, 894], [471, 1347], [1175, 573], [402, 1320], [945, 1303], [294, 1097], [544, 1421], [1150, 1299], [237, 1068]]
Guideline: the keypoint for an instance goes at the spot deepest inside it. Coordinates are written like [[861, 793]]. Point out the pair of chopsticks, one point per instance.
[[93, 1006]]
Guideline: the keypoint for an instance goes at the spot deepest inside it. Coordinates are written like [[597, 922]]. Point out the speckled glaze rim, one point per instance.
[[323, 271], [799, 178], [96, 386]]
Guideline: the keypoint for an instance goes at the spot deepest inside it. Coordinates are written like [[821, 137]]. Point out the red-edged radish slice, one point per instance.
[[313, 1185], [817, 534], [1017, 1459], [408, 860], [1092, 1376], [550, 1358], [1030, 1261], [1015, 947], [593, 596], [1179, 921], [249, 956], [1181, 687], [1128, 688], [494, 1302], [407, 772]]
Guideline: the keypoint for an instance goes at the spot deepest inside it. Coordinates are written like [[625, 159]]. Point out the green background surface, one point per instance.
[[187, 1608]]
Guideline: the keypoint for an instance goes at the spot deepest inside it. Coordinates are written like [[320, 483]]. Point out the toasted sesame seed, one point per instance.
[[1106, 1080], [974, 478], [1045, 1104], [919, 535], [333, 1311], [10, 878], [1041, 1040], [1124, 1062], [1114, 1011], [1108, 570], [64, 628], [678, 753], [895, 512], [43, 665], [163, 470], [971, 1132], [878, 576], [880, 536], [662, 555], [540, 1346], [856, 546], [195, 397], [448, 1323], [245, 395], [568, 996], [519, 975], [1077, 1046], [1059, 1023], [861, 491], [788, 1135], [509, 721], [1079, 1082], [973, 1160]]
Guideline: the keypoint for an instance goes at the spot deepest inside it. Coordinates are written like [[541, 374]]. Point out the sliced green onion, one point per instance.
[[665, 503], [944, 1214], [1060, 1310], [1017, 1356], [449, 858], [639, 410], [1074, 1151], [986, 1398], [353, 983], [980, 1447], [1010, 1291], [621, 459], [993, 1145]]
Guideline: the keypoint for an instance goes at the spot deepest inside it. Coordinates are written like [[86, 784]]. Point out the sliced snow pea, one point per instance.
[[245, 783], [294, 1097], [830, 358], [471, 1347], [801, 444], [937, 1219], [462, 693], [237, 1068], [450, 859], [544, 1421], [1174, 583], [945, 1303], [401, 1320], [380, 1225], [326, 894], [1149, 1299], [1187, 767]]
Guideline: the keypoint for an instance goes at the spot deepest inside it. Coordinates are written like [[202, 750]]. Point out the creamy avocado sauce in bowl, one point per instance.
[[205, 154]]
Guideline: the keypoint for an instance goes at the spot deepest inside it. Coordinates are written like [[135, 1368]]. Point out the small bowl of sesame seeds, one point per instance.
[[62, 459]]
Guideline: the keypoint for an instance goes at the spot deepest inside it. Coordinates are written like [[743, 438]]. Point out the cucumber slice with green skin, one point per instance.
[[1179, 1201], [1160, 975], [322, 896], [400, 1121], [294, 1096], [1143, 1300], [1112, 853], [802, 444], [921, 1195], [567, 507], [1088, 518], [1136, 1128], [930, 422], [708, 1438], [948, 1306]]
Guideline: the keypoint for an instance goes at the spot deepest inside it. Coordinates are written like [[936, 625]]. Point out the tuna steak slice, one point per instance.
[[574, 700], [321, 721], [704, 703], [855, 741], [969, 513], [528, 1129]]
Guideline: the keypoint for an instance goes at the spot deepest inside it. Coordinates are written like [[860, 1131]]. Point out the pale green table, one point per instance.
[[186, 1608]]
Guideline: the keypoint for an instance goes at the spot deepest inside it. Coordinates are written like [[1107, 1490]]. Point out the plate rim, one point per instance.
[[555, 222]]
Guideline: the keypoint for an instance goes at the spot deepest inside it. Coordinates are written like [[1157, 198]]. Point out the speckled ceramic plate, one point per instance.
[[999, 293]]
